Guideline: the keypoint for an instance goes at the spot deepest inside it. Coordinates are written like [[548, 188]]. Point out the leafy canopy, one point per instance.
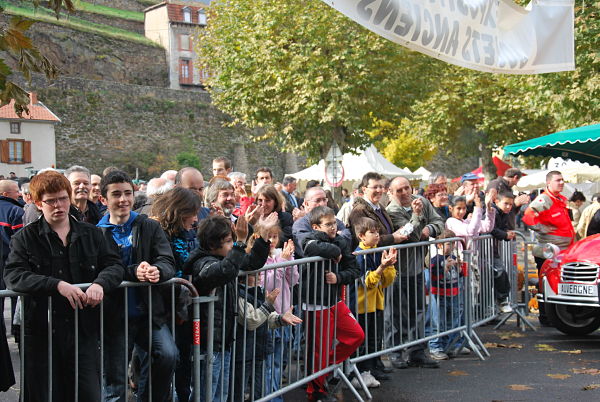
[[305, 73]]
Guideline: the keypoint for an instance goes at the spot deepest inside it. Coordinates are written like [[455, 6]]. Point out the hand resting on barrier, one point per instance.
[[147, 273], [331, 278], [73, 294], [95, 294]]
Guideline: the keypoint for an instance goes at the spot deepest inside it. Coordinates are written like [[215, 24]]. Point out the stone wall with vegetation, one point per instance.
[[152, 129]]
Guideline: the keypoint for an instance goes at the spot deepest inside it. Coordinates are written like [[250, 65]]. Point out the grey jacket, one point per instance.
[[412, 259]]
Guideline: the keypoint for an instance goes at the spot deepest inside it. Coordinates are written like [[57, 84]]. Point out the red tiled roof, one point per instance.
[[175, 12], [37, 111]]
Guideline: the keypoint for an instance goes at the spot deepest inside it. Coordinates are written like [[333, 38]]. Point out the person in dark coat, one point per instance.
[[504, 226], [146, 254], [11, 220], [214, 265], [46, 258]]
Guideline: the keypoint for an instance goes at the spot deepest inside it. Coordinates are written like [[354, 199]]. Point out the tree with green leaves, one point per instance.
[[14, 41], [497, 110], [306, 74]]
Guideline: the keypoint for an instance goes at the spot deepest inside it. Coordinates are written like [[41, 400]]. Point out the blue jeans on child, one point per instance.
[[432, 312], [276, 361], [450, 316], [220, 383]]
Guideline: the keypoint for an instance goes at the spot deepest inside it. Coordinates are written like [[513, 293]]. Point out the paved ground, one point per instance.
[[539, 366], [535, 366]]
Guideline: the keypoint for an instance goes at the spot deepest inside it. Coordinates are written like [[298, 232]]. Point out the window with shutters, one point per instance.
[[185, 71], [16, 151]]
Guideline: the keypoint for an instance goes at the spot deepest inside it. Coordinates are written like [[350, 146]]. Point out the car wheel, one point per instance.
[[573, 320]]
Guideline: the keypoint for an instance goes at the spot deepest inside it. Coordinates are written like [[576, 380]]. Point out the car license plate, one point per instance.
[[577, 289]]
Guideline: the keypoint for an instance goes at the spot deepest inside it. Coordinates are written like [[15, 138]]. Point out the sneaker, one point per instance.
[[505, 307], [438, 355], [370, 381]]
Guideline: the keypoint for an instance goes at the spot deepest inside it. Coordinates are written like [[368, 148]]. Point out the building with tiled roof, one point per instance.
[[28, 142], [172, 25]]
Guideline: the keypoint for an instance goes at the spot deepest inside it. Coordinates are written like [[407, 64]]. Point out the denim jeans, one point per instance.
[[450, 316], [275, 363], [220, 383], [432, 312], [164, 360]]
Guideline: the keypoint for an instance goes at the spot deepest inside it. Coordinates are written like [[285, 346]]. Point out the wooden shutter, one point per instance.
[[5, 154], [26, 151]]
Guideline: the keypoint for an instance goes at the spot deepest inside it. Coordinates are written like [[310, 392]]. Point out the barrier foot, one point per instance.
[[520, 317], [339, 373], [503, 320], [481, 345], [474, 347], [354, 369]]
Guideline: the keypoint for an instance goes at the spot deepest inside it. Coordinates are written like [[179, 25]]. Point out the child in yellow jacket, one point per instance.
[[377, 273]]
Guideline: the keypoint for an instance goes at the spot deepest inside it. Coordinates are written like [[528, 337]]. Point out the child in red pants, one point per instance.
[[327, 316]]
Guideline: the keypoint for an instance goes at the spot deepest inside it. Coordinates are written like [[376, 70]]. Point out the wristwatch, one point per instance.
[[239, 244]]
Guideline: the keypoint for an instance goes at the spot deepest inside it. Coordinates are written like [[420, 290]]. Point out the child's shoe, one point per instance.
[[505, 307], [438, 355]]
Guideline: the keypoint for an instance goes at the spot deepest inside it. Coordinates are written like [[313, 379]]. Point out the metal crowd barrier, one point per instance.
[[519, 298], [429, 301], [195, 355]]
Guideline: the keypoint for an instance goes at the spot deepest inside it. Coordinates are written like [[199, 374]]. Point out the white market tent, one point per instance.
[[585, 179], [355, 167], [425, 174]]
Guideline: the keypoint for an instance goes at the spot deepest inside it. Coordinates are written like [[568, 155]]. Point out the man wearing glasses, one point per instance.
[[314, 197], [373, 186], [46, 258]]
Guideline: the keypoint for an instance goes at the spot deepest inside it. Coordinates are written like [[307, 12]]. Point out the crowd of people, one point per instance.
[[59, 230]]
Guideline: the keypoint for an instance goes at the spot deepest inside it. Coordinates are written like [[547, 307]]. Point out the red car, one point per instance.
[[569, 286]]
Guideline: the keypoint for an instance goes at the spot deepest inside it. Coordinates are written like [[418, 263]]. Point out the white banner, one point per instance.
[[486, 35]]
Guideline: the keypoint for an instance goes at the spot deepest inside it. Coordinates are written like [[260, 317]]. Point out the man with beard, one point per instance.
[[82, 208]]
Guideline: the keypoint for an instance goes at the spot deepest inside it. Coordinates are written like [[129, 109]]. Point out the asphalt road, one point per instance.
[[534, 366]]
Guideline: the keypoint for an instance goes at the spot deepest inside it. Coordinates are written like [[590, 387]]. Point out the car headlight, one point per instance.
[[550, 251]]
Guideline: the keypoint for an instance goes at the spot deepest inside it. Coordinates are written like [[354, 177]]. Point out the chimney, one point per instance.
[[33, 97]]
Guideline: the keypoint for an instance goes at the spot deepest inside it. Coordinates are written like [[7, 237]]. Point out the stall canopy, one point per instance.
[[355, 167], [581, 144], [425, 174]]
